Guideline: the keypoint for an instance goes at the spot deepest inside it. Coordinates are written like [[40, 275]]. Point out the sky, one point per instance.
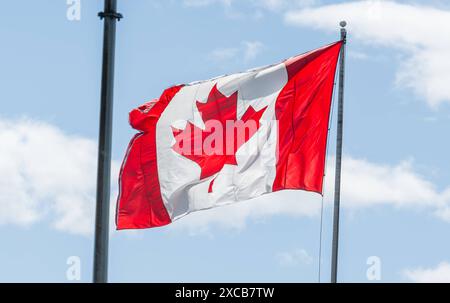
[[395, 213]]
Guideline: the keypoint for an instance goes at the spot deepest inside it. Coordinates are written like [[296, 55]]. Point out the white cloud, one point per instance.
[[252, 49], [358, 55], [279, 5], [294, 258], [201, 3], [248, 51], [438, 274], [223, 54], [253, 9], [444, 212], [46, 175], [420, 32], [366, 184], [197, 3], [267, 4], [229, 10]]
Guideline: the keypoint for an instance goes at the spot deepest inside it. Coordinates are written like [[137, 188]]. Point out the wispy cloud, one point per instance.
[[358, 55], [293, 258], [254, 9], [280, 5], [224, 54], [415, 30], [227, 6], [247, 51], [438, 274], [267, 4], [201, 3], [252, 49]]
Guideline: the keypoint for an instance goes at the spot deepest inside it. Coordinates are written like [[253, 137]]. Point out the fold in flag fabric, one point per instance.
[[228, 139]]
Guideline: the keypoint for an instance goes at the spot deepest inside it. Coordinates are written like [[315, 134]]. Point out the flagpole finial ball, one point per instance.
[[343, 23]]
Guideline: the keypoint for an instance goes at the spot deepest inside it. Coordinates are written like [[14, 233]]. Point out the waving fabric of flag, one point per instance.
[[228, 139]]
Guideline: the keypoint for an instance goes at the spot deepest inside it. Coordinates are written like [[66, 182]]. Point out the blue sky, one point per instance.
[[396, 182]]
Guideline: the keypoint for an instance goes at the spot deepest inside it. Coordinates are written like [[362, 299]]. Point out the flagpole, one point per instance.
[[109, 15], [337, 180]]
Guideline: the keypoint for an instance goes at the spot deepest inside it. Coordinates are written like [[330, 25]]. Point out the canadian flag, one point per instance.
[[228, 139]]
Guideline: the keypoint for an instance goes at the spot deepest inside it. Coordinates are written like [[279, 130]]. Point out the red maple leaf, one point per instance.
[[216, 144]]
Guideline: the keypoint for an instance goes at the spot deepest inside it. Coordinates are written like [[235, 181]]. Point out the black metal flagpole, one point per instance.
[[109, 15], [337, 179]]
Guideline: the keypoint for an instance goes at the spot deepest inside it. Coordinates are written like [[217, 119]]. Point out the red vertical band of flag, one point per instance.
[[140, 204], [302, 111]]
